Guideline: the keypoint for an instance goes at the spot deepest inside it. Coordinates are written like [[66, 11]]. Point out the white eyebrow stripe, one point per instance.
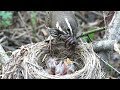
[[69, 26], [58, 26]]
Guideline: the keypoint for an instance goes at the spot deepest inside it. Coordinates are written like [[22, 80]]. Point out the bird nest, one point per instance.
[[30, 62]]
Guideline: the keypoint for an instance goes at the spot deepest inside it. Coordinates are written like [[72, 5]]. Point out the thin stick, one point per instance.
[[20, 35], [24, 25], [97, 13], [44, 57], [104, 20], [92, 31], [108, 64], [78, 15], [16, 29]]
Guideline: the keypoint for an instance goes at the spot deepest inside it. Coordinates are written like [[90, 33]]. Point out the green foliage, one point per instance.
[[33, 18], [6, 18], [91, 36], [85, 39], [34, 22]]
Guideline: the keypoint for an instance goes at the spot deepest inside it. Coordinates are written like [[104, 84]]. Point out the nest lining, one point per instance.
[[28, 62]]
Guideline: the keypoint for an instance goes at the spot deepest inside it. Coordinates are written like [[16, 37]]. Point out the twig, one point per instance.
[[15, 42], [19, 29], [108, 64], [2, 39], [81, 17], [92, 31], [13, 35], [20, 35], [95, 12], [44, 57], [24, 25], [104, 20], [39, 27], [16, 29]]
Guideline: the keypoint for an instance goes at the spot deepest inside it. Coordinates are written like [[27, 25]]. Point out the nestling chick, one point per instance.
[[66, 67], [70, 66], [51, 65], [60, 69]]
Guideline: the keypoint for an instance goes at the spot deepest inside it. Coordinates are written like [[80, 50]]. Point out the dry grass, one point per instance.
[[27, 62]]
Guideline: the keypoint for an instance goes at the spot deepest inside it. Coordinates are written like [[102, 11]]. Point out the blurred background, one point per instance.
[[20, 28]]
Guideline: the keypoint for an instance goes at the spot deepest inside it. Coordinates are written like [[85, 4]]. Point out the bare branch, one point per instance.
[[114, 27], [104, 45]]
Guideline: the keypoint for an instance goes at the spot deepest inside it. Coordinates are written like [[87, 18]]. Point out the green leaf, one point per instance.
[[6, 15], [85, 39], [2, 13], [33, 18], [91, 36], [6, 18]]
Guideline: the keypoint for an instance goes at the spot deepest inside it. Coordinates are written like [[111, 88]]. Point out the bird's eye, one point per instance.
[[68, 31]]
